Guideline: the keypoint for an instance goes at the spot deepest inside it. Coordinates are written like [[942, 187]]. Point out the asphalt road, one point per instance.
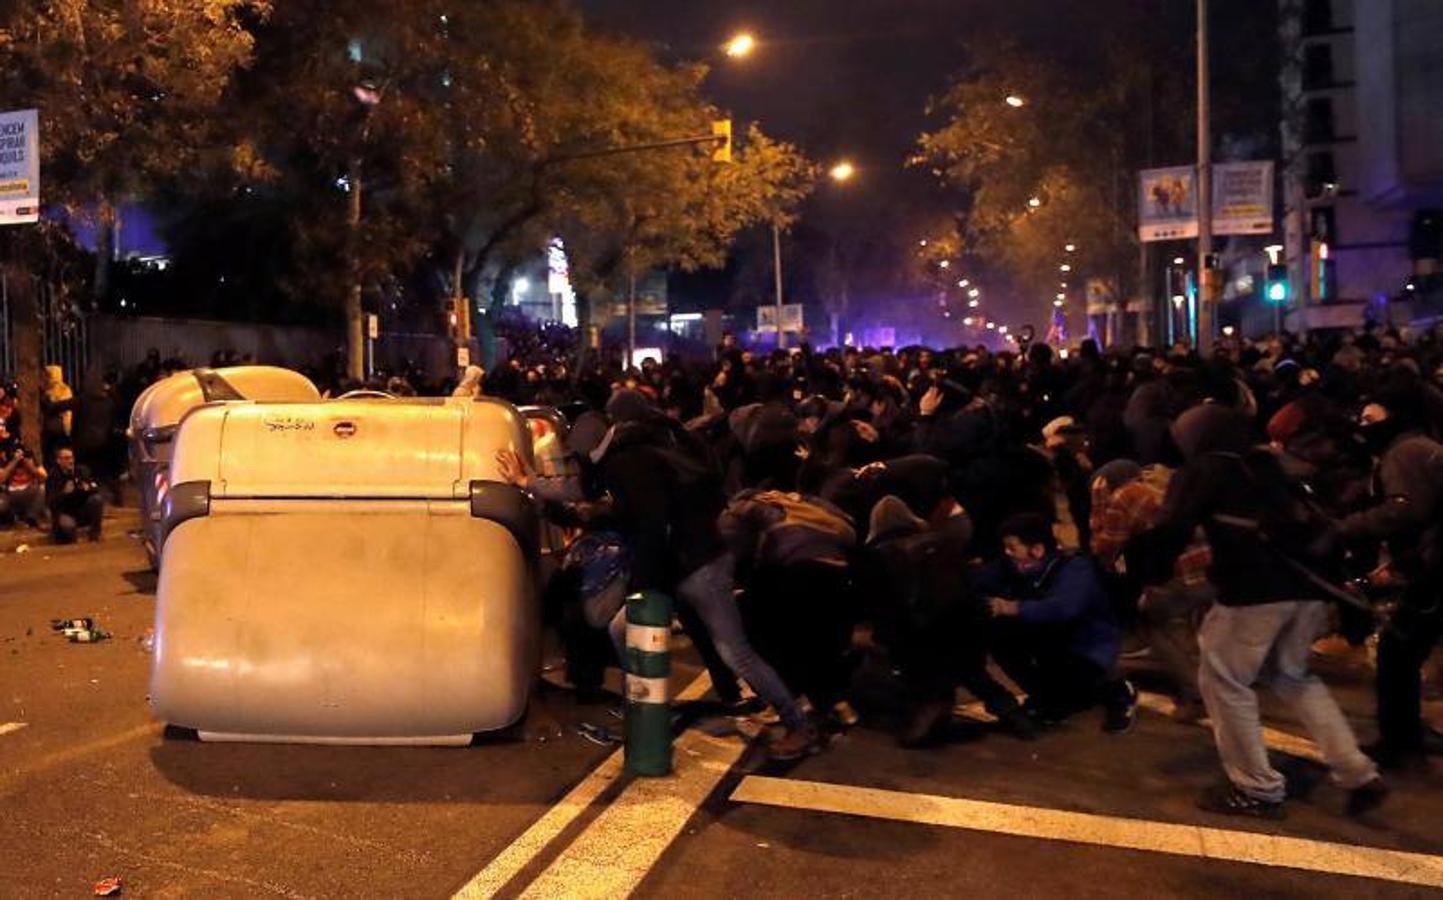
[[90, 787]]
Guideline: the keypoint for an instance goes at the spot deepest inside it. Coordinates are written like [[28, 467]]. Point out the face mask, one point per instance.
[[1377, 436]]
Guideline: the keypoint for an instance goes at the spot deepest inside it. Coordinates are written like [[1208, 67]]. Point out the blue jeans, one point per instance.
[[1243, 645], [708, 591]]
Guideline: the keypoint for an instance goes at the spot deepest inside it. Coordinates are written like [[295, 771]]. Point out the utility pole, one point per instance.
[[355, 317], [630, 312], [1206, 307], [777, 272]]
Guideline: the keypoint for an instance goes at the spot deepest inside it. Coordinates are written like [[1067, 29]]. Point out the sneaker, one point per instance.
[[795, 743], [1363, 800], [1228, 800], [1120, 717]]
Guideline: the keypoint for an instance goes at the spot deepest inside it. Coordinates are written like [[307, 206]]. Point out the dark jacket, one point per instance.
[[1408, 489], [1065, 594], [666, 502]]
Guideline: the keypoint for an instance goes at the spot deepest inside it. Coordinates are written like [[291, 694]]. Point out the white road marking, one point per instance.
[[9, 727], [1096, 830], [1281, 741], [617, 849], [535, 839]]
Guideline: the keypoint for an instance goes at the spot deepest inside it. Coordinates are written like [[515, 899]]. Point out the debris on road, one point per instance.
[[602, 737], [86, 635], [108, 887], [147, 641], [23, 548], [63, 624]]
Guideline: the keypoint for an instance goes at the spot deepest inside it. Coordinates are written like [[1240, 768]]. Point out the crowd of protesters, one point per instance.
[[996, 521], [983, 518]]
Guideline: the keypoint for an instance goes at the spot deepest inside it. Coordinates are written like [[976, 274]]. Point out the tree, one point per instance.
[[126, 94]]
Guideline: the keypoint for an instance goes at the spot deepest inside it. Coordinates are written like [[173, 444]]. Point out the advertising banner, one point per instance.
[[1167, 204], [19, 167]]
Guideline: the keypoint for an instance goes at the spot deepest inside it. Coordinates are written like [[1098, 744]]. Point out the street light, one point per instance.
[[740, 46], [945, 264], [973, 304], [1035, 202], [974, 293], [1064, 268], [964, 283], [1015, 101], [1070, 248], [842, 171]]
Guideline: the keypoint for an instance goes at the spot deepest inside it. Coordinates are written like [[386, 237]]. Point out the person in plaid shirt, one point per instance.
[[1127, 501]]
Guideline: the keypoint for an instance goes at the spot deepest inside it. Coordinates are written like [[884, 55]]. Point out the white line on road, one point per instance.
[[1096, 830], [9, 727], [1281, 741], [618, 848], [535, 839]]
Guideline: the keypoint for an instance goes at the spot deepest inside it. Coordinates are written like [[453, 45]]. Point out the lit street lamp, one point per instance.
[[842, 171], [1015, 101], [740, 46]]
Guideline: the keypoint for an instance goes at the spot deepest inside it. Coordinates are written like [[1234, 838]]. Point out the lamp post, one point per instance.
[[1205, 307], [840, 173]]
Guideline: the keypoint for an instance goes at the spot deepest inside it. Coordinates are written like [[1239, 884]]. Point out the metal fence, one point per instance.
[[63, 338]]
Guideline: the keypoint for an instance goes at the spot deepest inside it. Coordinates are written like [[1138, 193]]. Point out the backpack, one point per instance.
[[800, 512]]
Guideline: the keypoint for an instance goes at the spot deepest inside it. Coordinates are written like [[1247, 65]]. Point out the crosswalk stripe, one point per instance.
[[1097, 830], [532, 842], [617, 850]]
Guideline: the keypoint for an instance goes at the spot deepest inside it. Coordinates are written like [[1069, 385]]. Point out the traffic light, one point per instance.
[[722, 130], [1278, 290]]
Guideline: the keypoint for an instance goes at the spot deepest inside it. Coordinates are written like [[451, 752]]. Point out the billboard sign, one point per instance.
[[19, 167], [1167, 204], [1243, 198], [1242, 201], [791, 317]]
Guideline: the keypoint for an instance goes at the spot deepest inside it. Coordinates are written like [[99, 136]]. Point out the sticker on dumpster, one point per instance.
[[279, 424]]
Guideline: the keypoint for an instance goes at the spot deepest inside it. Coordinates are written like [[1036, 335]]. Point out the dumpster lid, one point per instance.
[[348, 448]]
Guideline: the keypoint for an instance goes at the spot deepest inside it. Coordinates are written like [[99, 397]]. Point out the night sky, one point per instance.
[[853, 77]]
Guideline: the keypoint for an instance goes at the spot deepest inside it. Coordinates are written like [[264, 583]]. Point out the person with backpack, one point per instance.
[[1271, 604], [1407, 515], [667, 499], [795, 552]]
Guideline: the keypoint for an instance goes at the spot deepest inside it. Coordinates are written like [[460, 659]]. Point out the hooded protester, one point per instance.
[[1270, 608], [1407, 515], [667, 499], [934, 626]]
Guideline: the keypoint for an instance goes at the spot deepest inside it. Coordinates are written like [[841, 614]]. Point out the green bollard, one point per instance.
[[648, 691]]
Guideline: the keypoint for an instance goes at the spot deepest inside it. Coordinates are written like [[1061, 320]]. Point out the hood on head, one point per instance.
[[1211, 428]]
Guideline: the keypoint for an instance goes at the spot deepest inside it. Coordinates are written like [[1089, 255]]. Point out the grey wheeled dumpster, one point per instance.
[[158, 411], [346, 572]]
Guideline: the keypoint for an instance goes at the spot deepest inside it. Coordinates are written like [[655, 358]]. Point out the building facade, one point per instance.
[[1362, 177]]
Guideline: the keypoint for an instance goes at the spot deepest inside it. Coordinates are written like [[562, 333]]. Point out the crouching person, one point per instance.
[[792, 551], [934, 627], [74, 500], [1053, 629]]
